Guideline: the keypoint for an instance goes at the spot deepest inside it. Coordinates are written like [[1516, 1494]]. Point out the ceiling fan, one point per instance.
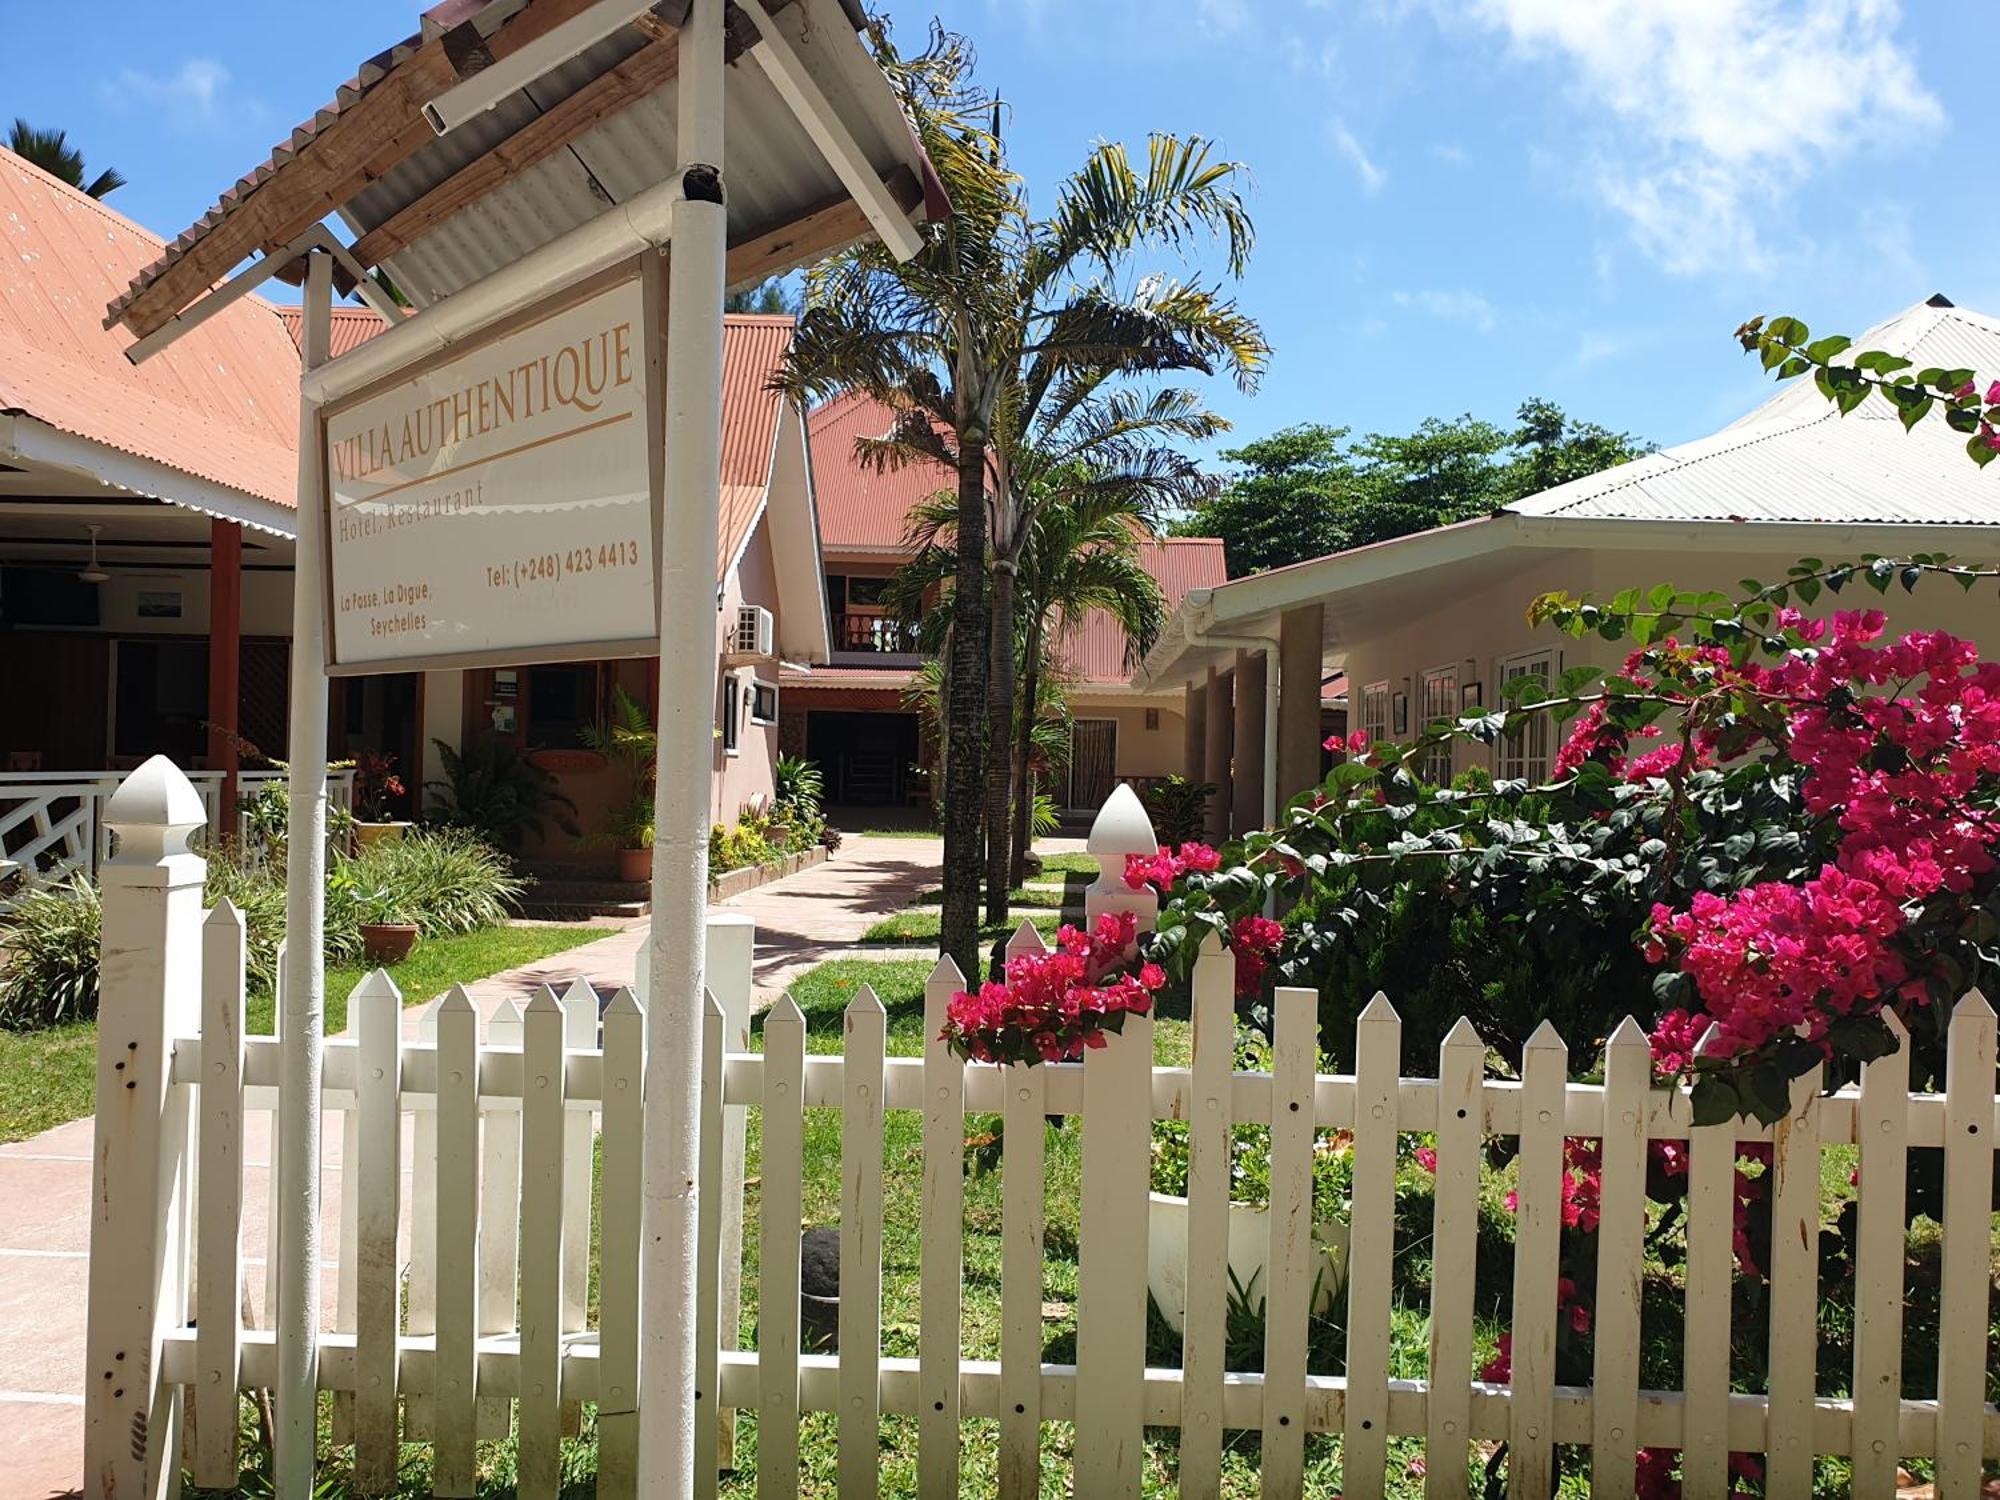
[[90, 572]]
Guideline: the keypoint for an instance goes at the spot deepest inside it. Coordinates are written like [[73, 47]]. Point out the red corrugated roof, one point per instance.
[[753, 347], [859, 509], [1096, 652], [221, 403]]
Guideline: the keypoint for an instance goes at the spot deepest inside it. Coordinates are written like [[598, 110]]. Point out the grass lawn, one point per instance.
[[920, 924], [49, 1077]]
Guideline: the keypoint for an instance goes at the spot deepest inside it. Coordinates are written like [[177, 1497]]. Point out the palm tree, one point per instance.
[[51, 151], [986, 343]]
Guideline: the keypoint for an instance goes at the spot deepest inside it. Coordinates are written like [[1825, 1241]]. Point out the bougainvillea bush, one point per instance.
[[1763, 828]]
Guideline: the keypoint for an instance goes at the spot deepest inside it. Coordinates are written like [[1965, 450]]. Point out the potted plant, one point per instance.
[[375, 782], [627, 739], [386, 940], [1249, 1207]]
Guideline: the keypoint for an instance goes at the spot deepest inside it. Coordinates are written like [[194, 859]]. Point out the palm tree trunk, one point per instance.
[[1024, 744], [965, 715], [1000, 715]]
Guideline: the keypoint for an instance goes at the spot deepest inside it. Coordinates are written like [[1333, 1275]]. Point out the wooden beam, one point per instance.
[[370, 137], [225, 655], [605, 95], [818, 233]]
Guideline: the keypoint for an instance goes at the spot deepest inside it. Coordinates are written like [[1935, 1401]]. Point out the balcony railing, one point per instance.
[[873, 633]]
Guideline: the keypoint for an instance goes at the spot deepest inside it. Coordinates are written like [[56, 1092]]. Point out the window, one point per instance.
[[732, 713], [763, 702], [1523, 751], [866, 591], [1152, 718], [1438, 699], [1375, 713], [562, 704]]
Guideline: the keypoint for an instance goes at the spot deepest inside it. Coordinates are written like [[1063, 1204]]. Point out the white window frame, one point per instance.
[[1525, 753], [1437, 762], [758, 685], [1375, 712]]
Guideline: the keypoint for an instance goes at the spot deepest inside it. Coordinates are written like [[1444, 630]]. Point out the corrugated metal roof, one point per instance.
[[1096, 652], [775, 173], [859, 509], [1795, 458], [848, 679], [753, 349], [221, 404]]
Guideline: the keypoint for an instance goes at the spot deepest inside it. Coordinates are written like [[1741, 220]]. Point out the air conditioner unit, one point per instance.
[[754, 631]]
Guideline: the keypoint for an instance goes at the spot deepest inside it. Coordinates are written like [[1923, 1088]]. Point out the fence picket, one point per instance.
[[499, 1217], [1204, 1326], [1454, 1221], [618, 1252], [455, 1368], [712, 1239], [1965, 1288], [1110, 1294], [1882, 1126], [345, 1267], [1378, 1052], [778, 1248], [271, 1209], [942, 1221], [1711, 1273], [540, 1415], [375, 1182], [420, 1302], [579, 1004], [219, 1182], [1537, 1248], [1288, 1296], [1794, 1301], [1022, 1218], [866, 1026], [1621, 1261]]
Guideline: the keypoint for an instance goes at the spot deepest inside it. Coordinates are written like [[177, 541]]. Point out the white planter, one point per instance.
[[1249, 1252]]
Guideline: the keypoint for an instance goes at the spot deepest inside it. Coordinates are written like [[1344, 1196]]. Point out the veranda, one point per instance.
[[462, 1306]]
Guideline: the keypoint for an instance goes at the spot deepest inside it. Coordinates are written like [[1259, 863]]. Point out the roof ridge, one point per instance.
[[1762, 432]]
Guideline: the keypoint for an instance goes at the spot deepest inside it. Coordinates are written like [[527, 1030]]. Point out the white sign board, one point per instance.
[[498, 504]]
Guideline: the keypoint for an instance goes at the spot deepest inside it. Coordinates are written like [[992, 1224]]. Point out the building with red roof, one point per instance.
[[853, 715]]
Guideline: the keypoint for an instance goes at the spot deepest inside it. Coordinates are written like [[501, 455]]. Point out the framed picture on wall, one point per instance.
[[1399, 714], [1472, 695]]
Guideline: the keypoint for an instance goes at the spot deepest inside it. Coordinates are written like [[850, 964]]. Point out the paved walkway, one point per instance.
[[45, 1182]]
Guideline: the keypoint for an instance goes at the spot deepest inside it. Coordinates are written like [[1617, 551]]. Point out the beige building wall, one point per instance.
[[1153, 752], [1477, 628], [746, 772]]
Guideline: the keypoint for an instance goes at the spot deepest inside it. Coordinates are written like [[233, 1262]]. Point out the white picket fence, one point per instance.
[[52, 822], [460, 1293]]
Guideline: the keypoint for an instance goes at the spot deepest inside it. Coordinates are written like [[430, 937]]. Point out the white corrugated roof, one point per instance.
[[1794, 458]]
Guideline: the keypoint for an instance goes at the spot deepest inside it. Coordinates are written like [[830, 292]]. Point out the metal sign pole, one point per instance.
[[304, 997], [686, 748]]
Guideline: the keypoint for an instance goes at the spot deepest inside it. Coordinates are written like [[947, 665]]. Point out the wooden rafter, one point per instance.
[[820, 232], [367, 139]]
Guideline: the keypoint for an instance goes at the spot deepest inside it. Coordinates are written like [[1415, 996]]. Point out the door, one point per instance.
[[1093, 762]]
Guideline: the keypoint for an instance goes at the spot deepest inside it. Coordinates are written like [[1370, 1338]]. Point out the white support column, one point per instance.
[[150, 989], [303, 1003], [687, 697]]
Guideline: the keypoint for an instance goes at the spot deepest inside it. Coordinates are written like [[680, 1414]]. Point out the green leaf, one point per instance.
[[1661, 596], [1714, 1102], [1819, 351], [1962, 419], [1880, 361], [1808, 590], [1914, 413], [1909, 577], [1980, 452], [1765, 1092], [1863, 1038]]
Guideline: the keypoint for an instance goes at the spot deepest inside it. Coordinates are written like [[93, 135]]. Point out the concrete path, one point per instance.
[[45, 1182]]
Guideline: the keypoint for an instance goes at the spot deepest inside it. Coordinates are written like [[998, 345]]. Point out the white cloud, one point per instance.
[[1460, 306], [1451, 154], [193, 98], [1702, 111], [1222, 17], [1344, 141]]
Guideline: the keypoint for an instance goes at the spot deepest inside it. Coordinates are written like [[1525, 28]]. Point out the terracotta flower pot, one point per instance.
[[386, 944], [635, 866], [367, 835]]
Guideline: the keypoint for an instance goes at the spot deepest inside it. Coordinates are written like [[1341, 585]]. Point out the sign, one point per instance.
[[499, 504]]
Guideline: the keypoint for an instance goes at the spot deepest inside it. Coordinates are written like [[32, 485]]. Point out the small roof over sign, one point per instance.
[[441, 212]]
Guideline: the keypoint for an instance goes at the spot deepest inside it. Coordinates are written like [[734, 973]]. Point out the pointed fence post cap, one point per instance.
[[785, 1012], [1122, 826], [866, 1003], [1464, 1034], [947, 971], [624, 1003], [153, 812], [1629, 1033]]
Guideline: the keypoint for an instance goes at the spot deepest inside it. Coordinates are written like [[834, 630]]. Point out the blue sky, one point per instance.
[[1459, 203]]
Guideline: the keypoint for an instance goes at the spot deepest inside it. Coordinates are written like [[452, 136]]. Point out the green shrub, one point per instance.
[[258, 891], [48, 956], [493, 789], [444, 880], [1178, 808]]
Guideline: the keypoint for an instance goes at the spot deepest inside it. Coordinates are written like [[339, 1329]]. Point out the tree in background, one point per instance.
[[993, 340], [51, 151], [1310, 490], [766, 297]]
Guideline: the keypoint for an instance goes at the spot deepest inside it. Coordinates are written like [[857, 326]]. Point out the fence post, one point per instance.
[[149, 993], [732, 939], [1117, 1145]]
